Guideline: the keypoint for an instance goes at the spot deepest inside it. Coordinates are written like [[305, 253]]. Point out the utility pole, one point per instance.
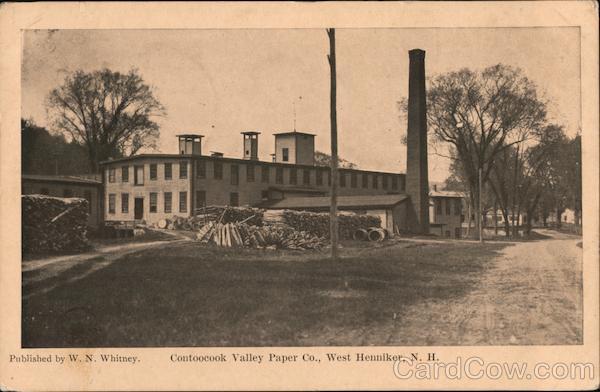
[[480, 207], [333, 224]]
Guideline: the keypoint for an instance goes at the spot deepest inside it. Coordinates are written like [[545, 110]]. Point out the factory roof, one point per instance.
[[61, 179], [239, 160], [343, 202]]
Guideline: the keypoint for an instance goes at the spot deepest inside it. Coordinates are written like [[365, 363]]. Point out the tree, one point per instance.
[[324, 159], [480, 114], [109, 113], [43, 153]]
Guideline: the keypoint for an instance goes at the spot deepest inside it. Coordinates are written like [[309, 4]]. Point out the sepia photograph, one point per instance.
[[301, 187]]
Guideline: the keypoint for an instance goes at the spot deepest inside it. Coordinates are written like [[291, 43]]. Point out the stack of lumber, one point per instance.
[[278, 236], [222, 214], [317, 224], [54, 224]]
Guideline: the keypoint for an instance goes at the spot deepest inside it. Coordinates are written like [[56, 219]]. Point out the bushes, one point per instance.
[[53, 224], [318, 223]]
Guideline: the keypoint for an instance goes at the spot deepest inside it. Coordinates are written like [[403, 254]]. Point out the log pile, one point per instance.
[[279, 236], [222, 214], [54, 224], [318, 223]]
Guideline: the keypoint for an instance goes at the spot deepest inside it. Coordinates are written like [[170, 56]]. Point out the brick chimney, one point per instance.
[[417, 183]]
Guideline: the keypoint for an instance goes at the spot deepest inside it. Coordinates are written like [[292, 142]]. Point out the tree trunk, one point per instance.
[[495, 218], [558, 217], [544, 218]]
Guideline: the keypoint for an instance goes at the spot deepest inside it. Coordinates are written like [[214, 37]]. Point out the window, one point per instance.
[[111, 175], [448, 207], [457, 207], [125, 173], [44, 191], [183, 169], [153, 171], [153, 201], [264, 195], [365, 180], [200, 199], [375, 181], [168, 196], [182, 201], [168, 171], [385, 180], [250, 172], [319, 177], [67, 193], [218, 170], [306, 177], [329, 177], [200, 169], [139, 175], [87, 195], [342, 179], [125, 203], [235, 175], [264, 173], [234, 199], [111, 203], [279, 175], [285, 152], [438, 207], [293, 176], [353, 180], [394, 182]]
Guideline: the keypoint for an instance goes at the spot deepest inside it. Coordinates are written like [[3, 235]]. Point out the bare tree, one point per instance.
[[109, 113], [479, 114]]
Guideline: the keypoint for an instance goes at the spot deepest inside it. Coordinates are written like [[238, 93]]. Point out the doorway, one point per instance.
[[138, 211]]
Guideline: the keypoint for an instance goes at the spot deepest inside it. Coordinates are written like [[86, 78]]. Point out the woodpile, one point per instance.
[[279, 236], [220, 214], [54, 224], [318, 223]]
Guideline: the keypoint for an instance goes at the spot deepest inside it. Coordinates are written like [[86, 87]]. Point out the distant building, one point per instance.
[[445, 213], [67, 186]]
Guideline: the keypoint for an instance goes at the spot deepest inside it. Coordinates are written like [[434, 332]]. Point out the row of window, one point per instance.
[[448, 204], [167, 201], [138, 172], [367, 180]]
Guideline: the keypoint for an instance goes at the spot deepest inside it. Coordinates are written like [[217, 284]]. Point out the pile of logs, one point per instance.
[[54, 224], [318, 223], [223, 214], [278, 236]]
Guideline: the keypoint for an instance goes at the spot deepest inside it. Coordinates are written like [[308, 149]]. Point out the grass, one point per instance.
[[196, 295]]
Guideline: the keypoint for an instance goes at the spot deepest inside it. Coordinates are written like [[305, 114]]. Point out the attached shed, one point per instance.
[[392, 209], [67, 186]]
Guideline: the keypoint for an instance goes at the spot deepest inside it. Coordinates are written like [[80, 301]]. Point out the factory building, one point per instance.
[[154, 186], [151, 187]]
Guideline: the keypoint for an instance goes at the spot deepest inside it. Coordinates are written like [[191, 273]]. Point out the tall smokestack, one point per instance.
[[417, 182]]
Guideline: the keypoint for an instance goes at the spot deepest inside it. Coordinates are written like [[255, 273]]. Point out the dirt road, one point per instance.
[[531, 296]]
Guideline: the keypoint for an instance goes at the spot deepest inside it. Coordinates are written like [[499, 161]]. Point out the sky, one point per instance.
[[221, 82]]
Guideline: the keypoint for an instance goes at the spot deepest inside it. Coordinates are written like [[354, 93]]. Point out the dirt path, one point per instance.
[[40, 270], [531, 296]]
